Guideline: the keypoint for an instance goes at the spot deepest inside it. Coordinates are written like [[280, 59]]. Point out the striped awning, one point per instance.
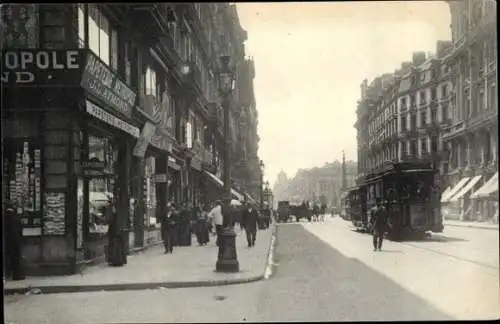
[[465, 189], [220, 183], [455, 189], [488, 188]]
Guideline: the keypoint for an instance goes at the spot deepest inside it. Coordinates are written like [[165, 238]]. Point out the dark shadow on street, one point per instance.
[[314, 278], [391, 251]]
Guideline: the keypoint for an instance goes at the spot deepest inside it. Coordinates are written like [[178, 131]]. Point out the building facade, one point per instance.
[[115, 101], [472, 139], [401, 114]]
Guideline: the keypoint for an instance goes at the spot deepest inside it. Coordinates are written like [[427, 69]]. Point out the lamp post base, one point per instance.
[[227, 260]]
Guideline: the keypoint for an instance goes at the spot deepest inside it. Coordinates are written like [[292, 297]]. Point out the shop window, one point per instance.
[[101, 185], [150, 192], [21, 182]]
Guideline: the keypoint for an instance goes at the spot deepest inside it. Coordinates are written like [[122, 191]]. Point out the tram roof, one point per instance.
[[390, 167]]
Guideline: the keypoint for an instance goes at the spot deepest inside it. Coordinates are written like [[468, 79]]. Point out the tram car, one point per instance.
[[410, 192], [354, 208]]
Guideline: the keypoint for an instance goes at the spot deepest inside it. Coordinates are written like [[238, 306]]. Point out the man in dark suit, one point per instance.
[[13, 240], [378, 221], [249, 219]]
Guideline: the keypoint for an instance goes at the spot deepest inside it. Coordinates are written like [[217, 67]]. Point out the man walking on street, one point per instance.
[[167, 229], [216, 215], [13, 240], [378, 221], [249, 219]]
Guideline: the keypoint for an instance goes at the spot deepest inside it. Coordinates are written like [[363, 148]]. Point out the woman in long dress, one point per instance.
[[116, 250]]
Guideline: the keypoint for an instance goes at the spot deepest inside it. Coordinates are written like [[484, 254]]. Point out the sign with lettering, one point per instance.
[[61, 68], [161, 142], [147, 132], [106, 117], [106, 86]]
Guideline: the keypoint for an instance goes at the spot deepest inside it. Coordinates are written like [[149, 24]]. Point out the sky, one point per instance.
[[310, 59]]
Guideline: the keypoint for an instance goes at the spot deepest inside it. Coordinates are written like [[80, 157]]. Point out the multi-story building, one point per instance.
[[472, 139], [400, 115], [110, 100], [320, 184]]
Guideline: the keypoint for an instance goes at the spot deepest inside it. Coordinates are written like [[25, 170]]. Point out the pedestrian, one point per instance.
[[117, 256], [216, 215], [250, 223], [167, 229], [378, 221], [184, 226], [13, 240], [202, 234]]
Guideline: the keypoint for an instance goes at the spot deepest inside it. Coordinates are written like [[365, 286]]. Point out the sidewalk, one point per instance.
[[482, 225], [190, 266]]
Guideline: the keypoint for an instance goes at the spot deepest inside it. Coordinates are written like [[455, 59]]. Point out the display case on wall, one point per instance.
[[22, 179]]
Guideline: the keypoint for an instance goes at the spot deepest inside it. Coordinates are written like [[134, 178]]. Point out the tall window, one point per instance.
[[493, 97], [422, 97], [413, 147], [444, 112], [403, 124], [433, 116], [444, 91], [100, 34], [423, 146], [81, 25], [413, 121], [434, 144], [423, 117], [151, 84], [433, 94], [480, 103]]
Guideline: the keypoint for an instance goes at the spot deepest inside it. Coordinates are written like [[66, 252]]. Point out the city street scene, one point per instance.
[[250, 162]]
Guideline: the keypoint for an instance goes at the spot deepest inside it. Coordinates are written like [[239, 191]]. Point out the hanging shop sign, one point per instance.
[[161, 178], [196, 163], [106, 117], [172, 163], [106, 86], [161, 142], [143, 141], [47, 68]]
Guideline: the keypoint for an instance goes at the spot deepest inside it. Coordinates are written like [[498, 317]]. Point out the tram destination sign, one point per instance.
[[41, 68]]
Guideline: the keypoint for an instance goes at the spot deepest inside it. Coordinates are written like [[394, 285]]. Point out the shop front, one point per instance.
[[107, 135], [41, 96]]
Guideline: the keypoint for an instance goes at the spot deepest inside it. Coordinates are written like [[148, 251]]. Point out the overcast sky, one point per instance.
[[310, 59]]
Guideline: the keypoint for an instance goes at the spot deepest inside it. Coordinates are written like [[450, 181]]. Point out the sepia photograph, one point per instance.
[[234, 162]]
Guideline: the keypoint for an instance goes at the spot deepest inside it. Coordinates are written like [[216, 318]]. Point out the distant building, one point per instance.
[[401, 115]]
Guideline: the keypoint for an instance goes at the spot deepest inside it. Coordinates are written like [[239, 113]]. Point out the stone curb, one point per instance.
[[474, 226], [268, 272], [129, 286], [145, 285]]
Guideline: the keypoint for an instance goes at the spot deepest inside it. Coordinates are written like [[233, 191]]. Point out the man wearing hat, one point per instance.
[[378, 221], [13, 231]]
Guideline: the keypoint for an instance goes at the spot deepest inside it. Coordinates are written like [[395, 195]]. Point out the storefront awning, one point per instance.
[[455, 189], [220, 183], [250, 199], [446, 192], [488, 188], [465, 189]]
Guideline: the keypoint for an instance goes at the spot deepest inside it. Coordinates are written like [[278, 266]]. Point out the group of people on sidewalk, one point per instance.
[[178, 224]]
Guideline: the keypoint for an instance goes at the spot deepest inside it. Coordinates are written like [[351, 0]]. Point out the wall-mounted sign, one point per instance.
[[41, 67], [142, 143], [98, 80], [161, 178], [172, 163], [106, 117], [161, 142]]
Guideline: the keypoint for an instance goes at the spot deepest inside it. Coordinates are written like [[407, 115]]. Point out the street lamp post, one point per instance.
[[261, 184], [227, 260]]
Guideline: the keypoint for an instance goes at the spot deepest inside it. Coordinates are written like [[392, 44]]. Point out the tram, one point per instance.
[[410, 192]]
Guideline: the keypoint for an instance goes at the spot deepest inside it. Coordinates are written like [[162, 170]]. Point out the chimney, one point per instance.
[[364, 85], [443, 47], [418, 58], [405, 66]]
